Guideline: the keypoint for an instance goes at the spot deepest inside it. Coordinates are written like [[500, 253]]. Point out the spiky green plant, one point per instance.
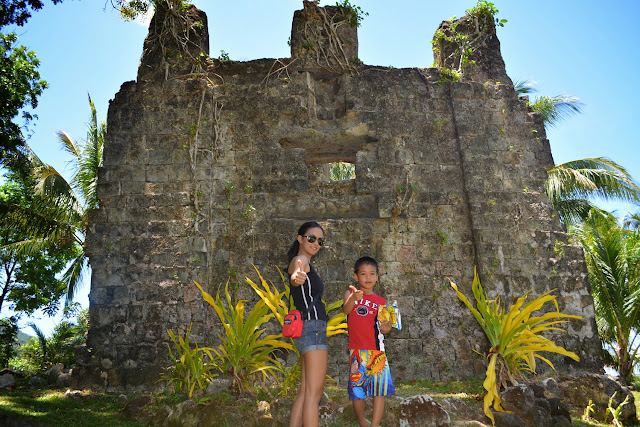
[[615, 412], [280, 303], [192, 369], [245, 355], [515, 338]]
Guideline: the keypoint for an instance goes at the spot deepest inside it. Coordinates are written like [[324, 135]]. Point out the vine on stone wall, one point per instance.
[[280, 70], [175, 38], [454, 45], [404, 197], [323, 39]]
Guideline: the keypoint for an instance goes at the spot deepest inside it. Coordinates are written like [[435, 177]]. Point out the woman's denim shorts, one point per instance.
[[314, 336]]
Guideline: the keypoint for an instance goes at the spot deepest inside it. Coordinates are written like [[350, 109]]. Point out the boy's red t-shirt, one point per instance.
[[364, 333]]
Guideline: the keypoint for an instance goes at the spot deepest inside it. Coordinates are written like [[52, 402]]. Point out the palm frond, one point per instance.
[[572, 211], [612, 255], [41, 221], [588, 179], [557, 108], [42, 340], [632, 221], [73, 275], [609, 358], [524, 87], [68, 143], [91, 159], [57, 217]]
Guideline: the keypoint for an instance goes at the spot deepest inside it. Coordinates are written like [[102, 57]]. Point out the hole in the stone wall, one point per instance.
[[341, 171]]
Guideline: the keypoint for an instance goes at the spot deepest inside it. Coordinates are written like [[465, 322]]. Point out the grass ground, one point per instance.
[[24, 406], [48, 407]]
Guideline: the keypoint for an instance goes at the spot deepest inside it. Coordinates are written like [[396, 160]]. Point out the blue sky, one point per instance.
[[584, 48]]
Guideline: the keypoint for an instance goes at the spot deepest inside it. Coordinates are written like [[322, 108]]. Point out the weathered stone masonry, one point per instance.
[[447, 177]]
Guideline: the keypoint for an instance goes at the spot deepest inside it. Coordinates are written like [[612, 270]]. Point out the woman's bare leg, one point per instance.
[[315, 367], [295, 420]]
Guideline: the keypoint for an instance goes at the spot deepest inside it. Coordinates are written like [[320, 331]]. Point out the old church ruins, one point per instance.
[[210, 166]]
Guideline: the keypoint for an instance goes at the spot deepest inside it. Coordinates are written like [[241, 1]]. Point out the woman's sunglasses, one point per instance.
[[311, 238]]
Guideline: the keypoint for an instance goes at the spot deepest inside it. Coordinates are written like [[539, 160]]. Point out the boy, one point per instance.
[[370, 374]]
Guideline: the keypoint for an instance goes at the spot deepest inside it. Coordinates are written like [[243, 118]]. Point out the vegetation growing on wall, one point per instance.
[[453, 47], [320, 33]]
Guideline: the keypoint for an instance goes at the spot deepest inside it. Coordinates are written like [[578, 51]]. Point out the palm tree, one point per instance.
[[570, 185], [554, 109], [632, 221], [612, 254], [45, 352], [39, 351], [60, 216]]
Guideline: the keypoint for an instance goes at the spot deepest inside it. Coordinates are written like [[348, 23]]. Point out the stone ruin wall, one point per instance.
[[187, 155]]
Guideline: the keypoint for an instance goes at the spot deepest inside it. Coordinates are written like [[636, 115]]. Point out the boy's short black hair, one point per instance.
[[365, 260]]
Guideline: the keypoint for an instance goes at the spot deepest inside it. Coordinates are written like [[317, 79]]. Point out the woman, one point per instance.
[[306, 290]]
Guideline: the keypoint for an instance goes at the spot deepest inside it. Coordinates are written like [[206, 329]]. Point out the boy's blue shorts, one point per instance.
[[370, 374]]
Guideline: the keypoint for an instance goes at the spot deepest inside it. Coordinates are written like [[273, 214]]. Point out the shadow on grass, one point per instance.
[[25, 407]]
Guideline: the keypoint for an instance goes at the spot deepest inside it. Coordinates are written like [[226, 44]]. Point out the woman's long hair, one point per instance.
[[295, 247]]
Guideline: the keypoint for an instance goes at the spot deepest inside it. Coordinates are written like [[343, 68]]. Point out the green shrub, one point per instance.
[[515, 338], [190, 372], [244, 354]]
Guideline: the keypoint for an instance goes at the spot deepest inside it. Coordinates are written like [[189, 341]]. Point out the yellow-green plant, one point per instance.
[[290, 380], [190, 372], [588, 410], [280, 303], [337, 323], [515, 339], [615, 412], [244, 354]]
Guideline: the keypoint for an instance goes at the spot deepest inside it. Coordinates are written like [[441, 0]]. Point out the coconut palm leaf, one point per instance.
[[612, 255], [59, 216], [632, 221], [570, 185], [555, 109], [42, 341], [524, 87]]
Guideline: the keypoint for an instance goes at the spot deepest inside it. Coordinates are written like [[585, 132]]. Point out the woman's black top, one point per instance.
[[308, 297]]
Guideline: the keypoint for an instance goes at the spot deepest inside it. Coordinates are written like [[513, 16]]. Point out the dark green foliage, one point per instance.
[[8, 336], [44, 352], [612, 255], [19, 11], [55, 221], [20, 86], [354, 13], [28, 282]]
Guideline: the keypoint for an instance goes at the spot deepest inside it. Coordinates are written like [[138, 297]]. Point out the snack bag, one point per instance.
[[391, 313]]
